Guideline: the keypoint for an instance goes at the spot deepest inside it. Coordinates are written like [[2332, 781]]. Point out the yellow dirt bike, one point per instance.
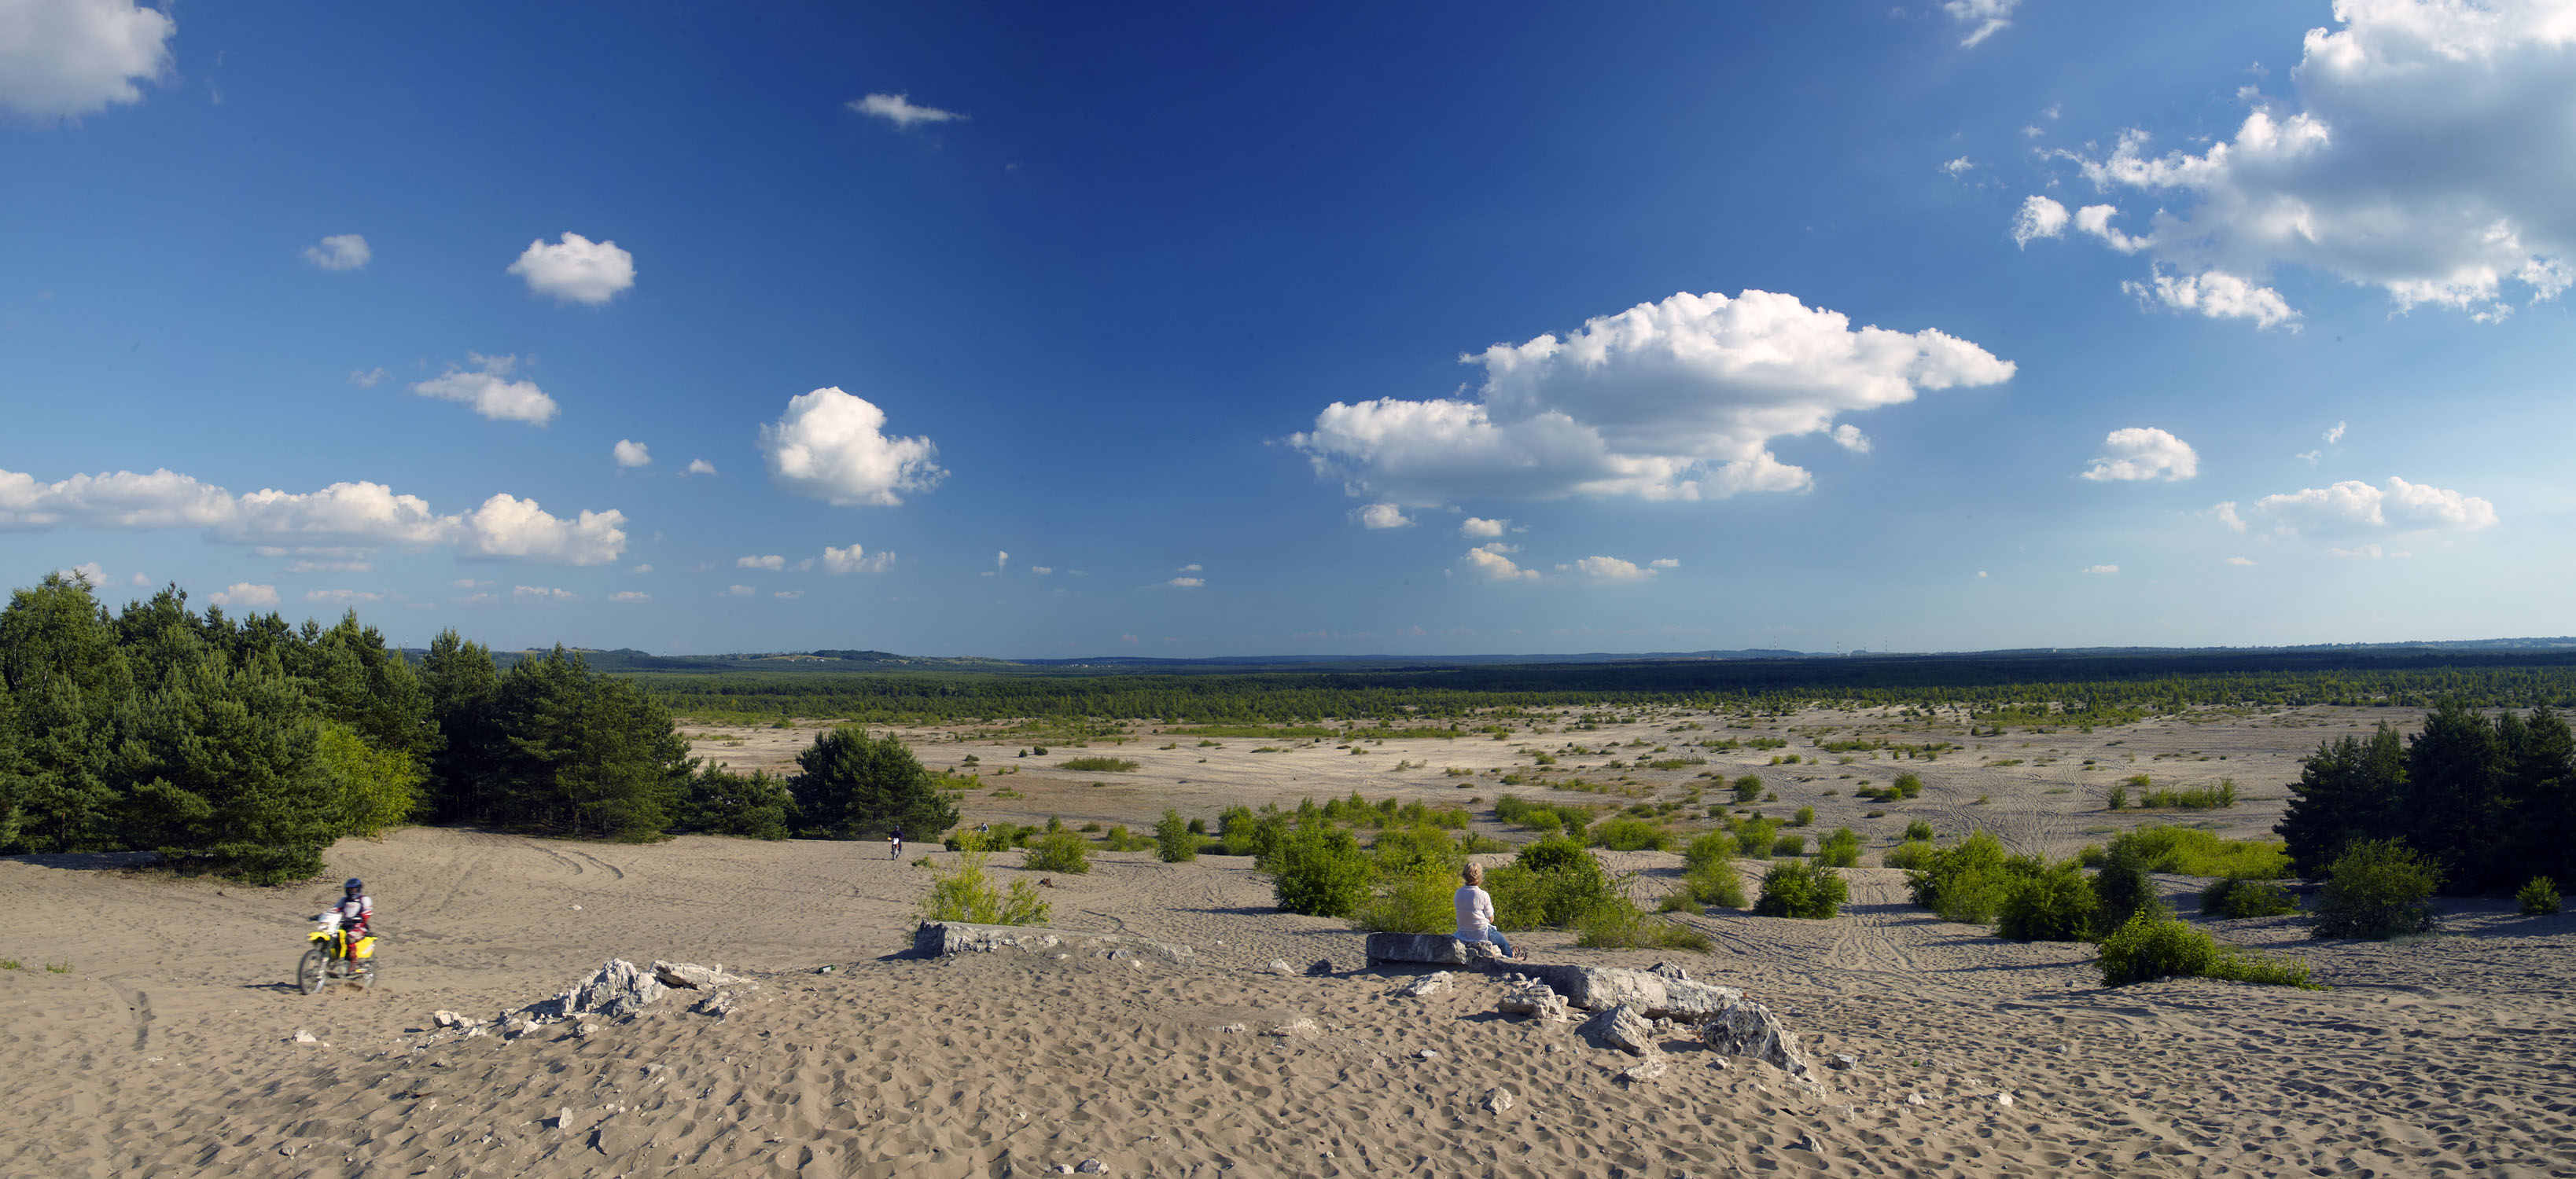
[[335, 957]]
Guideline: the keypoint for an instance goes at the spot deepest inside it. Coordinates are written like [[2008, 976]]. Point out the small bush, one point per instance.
[[2377, 889], [1058, 851], [1121, 839], [1967, 883], [1911, 855], [2229, 896], [2150, 947], [2116, 799], [1551, 884], [2125, 889], [2539, 898], [1320, 871], [1789, 845], [1418, 902], [1631, 835], [1176, 839], [1754, 838], [965, 893], [1917, 829], [2191, 851], [1100, 765], [1748, 790], [1715, 884], [1795, 888], [1806, 817], [1840, 849], [2056, 904], [1907, 786], [1616, 923]]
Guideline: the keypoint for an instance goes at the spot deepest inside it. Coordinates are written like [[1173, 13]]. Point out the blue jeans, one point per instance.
[[1500, 942]]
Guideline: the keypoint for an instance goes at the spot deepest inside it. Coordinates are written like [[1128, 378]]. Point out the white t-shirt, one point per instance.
[[1475, 913]]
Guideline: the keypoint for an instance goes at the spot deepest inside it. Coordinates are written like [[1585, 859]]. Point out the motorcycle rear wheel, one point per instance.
[[309, 972]]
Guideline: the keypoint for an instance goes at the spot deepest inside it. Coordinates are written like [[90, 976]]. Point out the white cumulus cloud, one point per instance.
[[340, 251], [489, 389], [2425, 153], [1490, 563], [2039, 217], [2335, 435], [832, 446], [576, 269], [60, 58], [1382, 516], [1610, 569], [2143, 452], [854, 559], [1478, 526], [632, 454], [2215, 294], [2100, 569], [771, 563], [2354, 508], [542, 593], [509, 528], [245, 596], [1671, 400], [630, 596], [740, 591], [1984, 18], [899, 110], [1186, 582], [700, 467]]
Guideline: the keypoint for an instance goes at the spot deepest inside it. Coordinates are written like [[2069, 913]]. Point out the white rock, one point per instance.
[[1842, 1061], [1301, 1028], [1621, 1027], [1532, 999], [2004, 1099], [1427, 985], [1499, 1101], [1091, 1167], [1425, 1054], [1280, 966], [1651, 1067], [447, 1019], [1917, 1099], [1746, 1028], [691, 976], [303, 1037]]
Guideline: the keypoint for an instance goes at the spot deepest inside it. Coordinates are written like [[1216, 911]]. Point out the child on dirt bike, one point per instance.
[[354, 913]]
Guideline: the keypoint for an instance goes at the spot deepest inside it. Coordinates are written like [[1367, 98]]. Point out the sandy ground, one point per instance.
[[162, 1045]]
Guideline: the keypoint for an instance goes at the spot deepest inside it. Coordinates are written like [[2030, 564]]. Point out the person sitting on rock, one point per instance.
[[1476, 913]]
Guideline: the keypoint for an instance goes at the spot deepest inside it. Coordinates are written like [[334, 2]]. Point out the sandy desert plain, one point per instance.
[[150, 1021]]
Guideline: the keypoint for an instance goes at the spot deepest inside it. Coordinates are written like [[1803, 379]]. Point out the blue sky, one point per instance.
[[1291, 329]]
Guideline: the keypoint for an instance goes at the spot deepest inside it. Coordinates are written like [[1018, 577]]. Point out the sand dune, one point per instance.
[[162, 1046]]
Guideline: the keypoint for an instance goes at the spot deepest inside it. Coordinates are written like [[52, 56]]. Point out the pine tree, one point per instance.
[[852, 786], [225, 773], [463, 688], [74, 689], [2349, 789]]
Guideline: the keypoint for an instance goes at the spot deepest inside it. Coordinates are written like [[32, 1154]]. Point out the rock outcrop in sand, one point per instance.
[[938, 939]]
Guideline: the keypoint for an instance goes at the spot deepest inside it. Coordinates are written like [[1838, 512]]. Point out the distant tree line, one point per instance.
[[247, 746], [2490, 801]]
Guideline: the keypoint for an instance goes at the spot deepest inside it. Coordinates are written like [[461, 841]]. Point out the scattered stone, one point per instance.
[[1808, 1142], [1427, 985], [691, 976], [303, 1037], [827, 969], [447, 1019], [1301, 1028], [1091, 1167], [1425, 1054], [719, 1004], [517, 1026], [1280, 966], [585, 1029], [1437, 949], [1718, 1063], [1234, 1029], [938, 939], [1322, 968], [617, 990], [1669, 970], [2004, 1099], [563, 1118], [1917, 1099], [1648, 1069], [1484, 956], [1532, 999], [1598, 988], [1499, 1100], [1621, 1028], [1749, 1029], [1842, 1062], [576, 908]]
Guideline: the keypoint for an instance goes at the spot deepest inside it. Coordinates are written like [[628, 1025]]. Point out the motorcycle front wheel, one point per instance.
[[308, 973]]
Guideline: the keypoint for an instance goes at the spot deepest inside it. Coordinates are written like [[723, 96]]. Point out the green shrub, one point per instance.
[[2116, 799], [2229, 896], [717, 801], [2377, 889], [1840, 849], [1796, 888], [1615, 922], [1917, 829], [2150, 947], [2191, 851], [1176, 839], [1712, 847], [1913, 854], [2056, 904], [1789, 845], [1907, 786], [1967, 883], [1755, 837], [1320, 871], [1625, 834], [1748, 790], [965, 893], [1121, 839], [2125, 888], [1100, 765], [1058, 850], [1806, 817], [1418, 902], [1415, 851], [1714, 884], [1551, 884], [2539, 898]]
